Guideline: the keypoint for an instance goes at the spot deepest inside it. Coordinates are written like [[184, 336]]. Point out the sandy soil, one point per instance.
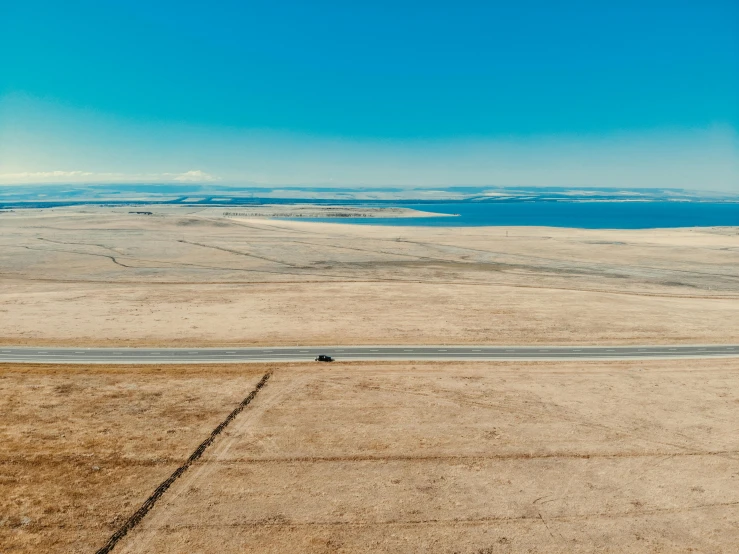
[[376, 457], [101, 276], [311, 211]]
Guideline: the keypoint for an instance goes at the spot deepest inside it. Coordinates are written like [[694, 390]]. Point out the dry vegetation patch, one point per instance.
[[82, 447]]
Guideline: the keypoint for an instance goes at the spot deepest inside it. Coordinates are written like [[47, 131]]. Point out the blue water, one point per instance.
[[585, 215]]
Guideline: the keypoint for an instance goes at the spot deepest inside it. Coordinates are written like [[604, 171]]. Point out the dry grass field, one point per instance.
[[478, 458], [82, 447], [375, 457], [101, 276]]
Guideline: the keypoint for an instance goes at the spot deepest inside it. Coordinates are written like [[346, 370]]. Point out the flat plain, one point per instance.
[[477, 457], [103, 277], [375, 457]]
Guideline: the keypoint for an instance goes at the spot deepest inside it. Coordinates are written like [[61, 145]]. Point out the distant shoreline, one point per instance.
[[577, 214], [314, 211]]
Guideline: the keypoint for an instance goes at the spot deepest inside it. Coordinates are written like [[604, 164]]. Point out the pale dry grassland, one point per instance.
[[637, 456], [104, 277]]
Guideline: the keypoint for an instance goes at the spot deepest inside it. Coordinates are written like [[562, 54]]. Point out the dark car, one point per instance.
[[324, 358]]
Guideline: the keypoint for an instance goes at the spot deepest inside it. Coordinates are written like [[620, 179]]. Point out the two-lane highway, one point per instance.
[[356, 353]]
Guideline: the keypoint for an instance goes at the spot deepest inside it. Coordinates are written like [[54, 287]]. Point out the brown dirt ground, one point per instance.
[[637, 456], [102, 277]]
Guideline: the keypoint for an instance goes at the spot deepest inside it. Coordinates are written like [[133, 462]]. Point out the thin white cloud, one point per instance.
[[44, 174], [78, 176], [195, 176]]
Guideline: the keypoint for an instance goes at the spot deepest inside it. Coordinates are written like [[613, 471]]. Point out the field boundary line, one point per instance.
[[149, 503]]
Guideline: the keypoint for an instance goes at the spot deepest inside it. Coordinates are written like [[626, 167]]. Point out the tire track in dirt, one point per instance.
[[169, 265], [382, 252], [597, 268], [472, 457], [81, 244], [455, 522], [334, 279], [85, 460], [237, 252], [111, 258], [146, 507], [464, 521]]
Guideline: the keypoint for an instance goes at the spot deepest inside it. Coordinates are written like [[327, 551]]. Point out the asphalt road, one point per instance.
[[307, 353]]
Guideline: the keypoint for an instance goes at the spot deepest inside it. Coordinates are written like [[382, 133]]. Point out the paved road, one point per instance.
[[282, 354]]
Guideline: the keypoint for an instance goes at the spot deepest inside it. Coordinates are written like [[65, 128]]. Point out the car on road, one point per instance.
[[324, 358]]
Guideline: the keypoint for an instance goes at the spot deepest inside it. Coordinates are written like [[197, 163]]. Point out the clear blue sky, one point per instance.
[[305, 91]]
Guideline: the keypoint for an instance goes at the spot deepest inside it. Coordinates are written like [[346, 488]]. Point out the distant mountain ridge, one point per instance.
[[209, 194]]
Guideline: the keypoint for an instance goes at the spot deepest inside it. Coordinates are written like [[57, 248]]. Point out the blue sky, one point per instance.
[[405, 92]]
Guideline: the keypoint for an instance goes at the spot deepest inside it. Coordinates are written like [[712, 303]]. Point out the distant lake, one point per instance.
[[585, 215]]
